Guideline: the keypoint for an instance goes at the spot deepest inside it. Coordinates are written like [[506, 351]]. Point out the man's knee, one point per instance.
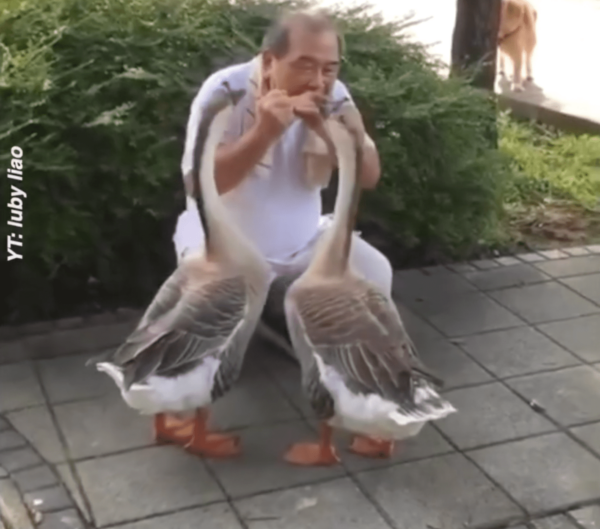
[[188, 235], [373, 264]]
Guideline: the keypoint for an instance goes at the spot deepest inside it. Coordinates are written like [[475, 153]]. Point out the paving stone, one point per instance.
[[35, 478], [559, 521], [490, 414], [13, 351], [508, 261], [87, 338], [254, 400], [337, 503], [576, 251], [429, 494], [594, 248], [504, 277], [416, 327], [544, 302], [12, 508], [69, 323], [412, 285], [10, 440], [218, 516], [102, 426], [19, 459], [145, 483], [450, 363], [4, 425], [579, 336], [47, 500], [68, 519], [427, 444], [461, 268], [590, 435], [532, 257], [68, 378], [262, 468], [546, 472], [517, 351], [588, 286], [554, 254], [68, 480], [37, 426], [485, 264], [464, 314], [588, 517], [569, 396], [287, 376], [19, 387], [572, 266]]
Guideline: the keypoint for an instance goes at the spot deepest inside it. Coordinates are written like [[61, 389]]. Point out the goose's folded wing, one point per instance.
[[203, 322], [165, 299], [358, 332]]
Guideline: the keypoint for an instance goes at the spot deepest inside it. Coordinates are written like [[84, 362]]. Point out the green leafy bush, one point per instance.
[[97, 93], [551, 164]]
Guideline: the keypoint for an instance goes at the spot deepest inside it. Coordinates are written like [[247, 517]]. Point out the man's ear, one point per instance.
[[267, 66]]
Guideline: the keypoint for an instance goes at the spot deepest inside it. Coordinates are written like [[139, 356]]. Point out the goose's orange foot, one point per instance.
[[215, 445], [211, 444], [170, 430], [369, 447], [312, 454]]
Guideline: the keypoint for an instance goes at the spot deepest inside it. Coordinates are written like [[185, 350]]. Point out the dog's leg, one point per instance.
[[528, 67], [530, 41], [529, 47], [517, 72]]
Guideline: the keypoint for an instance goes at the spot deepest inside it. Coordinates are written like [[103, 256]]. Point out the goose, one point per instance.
[[188, 348], [360, 369]]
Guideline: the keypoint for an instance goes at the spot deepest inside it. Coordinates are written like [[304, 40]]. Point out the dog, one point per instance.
[[517, 38]]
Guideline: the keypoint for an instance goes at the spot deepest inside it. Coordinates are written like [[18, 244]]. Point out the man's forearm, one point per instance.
[[371, 167], [234, 162], [370, 171]]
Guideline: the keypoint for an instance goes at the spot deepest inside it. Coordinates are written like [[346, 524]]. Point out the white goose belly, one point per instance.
[[369, 414], [185, 392]]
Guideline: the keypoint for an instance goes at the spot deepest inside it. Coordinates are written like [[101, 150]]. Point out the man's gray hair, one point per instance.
[[277, 37]]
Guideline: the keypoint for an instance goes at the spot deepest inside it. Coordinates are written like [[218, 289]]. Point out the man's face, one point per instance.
[[311, 63]]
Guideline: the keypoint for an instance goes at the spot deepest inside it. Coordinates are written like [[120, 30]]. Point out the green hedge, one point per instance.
[[97, 94]]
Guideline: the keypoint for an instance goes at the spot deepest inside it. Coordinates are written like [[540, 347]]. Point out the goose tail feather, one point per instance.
[[427, 405]]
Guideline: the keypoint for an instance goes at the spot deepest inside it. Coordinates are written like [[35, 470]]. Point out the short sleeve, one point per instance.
[[340, 91]]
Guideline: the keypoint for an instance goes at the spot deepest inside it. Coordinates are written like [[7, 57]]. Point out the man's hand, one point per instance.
[[275, 113], [307, 107]]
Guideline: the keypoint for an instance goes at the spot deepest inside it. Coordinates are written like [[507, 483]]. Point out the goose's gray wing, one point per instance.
[[165, 299], [203, 322], [357, 330]]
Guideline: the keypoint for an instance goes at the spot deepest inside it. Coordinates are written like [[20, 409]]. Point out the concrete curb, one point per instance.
[[570, 121], [31, 494], [73, 335], [49, 339]]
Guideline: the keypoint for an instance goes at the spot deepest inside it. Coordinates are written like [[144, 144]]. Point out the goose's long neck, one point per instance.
[[223, 237], [333, 251]]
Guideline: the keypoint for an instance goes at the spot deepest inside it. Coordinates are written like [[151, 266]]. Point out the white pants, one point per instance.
[[364, 258]]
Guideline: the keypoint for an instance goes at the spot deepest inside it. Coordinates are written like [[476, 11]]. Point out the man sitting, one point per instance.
[[275, 158]]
